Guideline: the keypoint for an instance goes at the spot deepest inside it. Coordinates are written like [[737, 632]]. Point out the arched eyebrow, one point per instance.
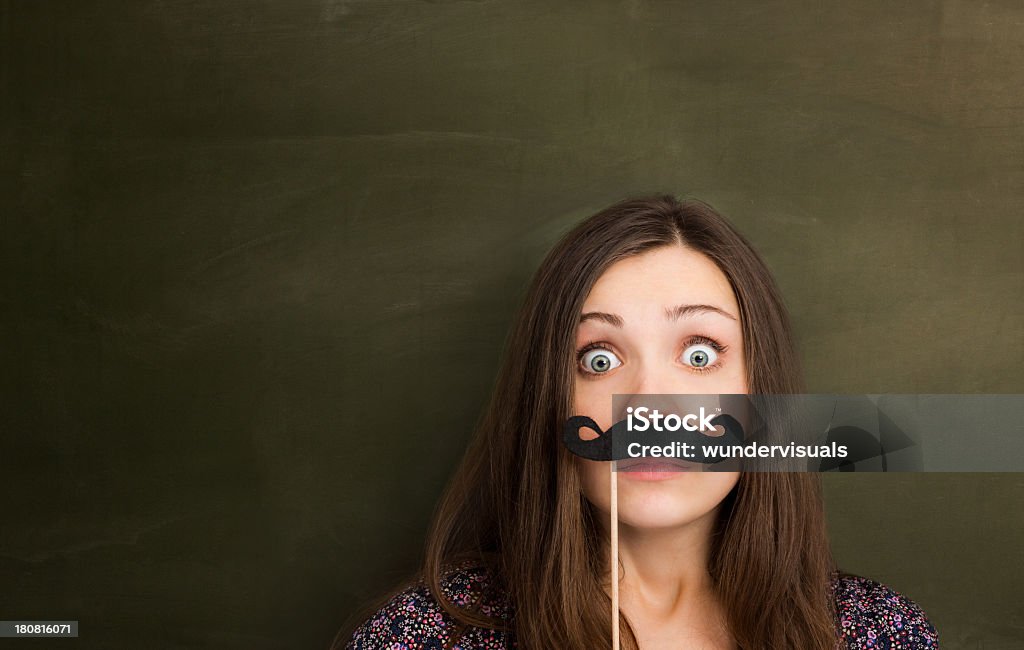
[[672, 314], [681, 311]]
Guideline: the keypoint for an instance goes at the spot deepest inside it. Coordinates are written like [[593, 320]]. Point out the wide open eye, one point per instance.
[[700, 355], [599, 360]]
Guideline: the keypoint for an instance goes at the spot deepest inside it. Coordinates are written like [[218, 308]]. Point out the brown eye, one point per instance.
[[700, 355], [599, 361]]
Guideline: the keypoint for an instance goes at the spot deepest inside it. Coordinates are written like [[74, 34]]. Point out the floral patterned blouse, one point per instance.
[[871, 615]]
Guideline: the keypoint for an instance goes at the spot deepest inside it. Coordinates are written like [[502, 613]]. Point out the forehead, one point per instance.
[[659, 278]]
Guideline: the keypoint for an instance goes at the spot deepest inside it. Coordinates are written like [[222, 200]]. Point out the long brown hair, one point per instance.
[[515, 504]]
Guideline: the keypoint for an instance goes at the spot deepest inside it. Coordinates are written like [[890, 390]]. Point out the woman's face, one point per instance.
[[663, 322]]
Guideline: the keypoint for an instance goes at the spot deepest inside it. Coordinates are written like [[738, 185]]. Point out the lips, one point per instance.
[[656, 465]]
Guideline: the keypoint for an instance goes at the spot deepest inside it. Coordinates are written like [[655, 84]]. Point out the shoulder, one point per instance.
[[872, 615], [414, 619]]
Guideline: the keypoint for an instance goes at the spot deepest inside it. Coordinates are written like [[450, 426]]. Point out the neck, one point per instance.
[[664, 570]]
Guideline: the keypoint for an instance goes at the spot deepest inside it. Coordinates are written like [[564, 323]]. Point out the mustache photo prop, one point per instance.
[[812, 433], [615, 443], [677, 431]]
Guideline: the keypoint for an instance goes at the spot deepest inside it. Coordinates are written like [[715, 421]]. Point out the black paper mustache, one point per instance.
[[614, 444]]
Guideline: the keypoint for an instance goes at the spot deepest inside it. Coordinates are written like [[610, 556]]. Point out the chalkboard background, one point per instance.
[[233, 229]]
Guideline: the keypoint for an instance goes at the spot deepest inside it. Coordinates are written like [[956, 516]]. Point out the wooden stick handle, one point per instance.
[[615, 554]]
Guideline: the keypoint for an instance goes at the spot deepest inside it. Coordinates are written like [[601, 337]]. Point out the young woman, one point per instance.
[[649, 296]]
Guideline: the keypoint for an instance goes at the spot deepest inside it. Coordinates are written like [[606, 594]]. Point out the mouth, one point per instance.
[[665, 467]]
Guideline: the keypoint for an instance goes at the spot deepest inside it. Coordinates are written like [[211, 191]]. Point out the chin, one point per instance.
[[661, 511]]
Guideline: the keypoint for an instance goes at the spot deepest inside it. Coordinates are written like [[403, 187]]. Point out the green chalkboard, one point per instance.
[[232, 229]]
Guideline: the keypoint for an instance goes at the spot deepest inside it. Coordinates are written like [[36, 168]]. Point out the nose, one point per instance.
[[678, 394], [656, 379], [643, 380]]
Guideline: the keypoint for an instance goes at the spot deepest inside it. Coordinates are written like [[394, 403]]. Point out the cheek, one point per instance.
[[731, 380], [594, 401]]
